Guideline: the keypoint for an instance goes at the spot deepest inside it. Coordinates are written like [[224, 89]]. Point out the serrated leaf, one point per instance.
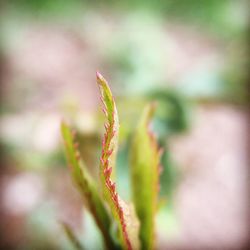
[[112, 126], [86, 185], [124, 214], [145, 159]]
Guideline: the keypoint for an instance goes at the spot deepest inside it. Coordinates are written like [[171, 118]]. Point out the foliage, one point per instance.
[[145, 159], [133, 222]]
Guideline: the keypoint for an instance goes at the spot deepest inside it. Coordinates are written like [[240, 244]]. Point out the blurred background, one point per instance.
[[190, 56]]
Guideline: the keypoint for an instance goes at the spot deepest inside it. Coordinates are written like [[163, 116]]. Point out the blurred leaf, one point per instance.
[[72, 237], [172, 112], [172, 117], [123, 213], [86, 185], [145, 159]]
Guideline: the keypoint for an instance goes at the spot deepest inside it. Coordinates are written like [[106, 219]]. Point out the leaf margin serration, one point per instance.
[[118, 207]]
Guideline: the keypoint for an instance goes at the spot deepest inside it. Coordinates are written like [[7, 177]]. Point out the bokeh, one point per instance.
[[188, 56]]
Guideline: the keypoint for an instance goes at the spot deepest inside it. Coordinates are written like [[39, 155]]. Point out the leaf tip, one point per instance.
[[63, 123], [99, 77], [151, 109]]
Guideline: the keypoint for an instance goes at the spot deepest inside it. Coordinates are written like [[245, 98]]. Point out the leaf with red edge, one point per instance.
[[123, 213], [145, 168], [86, 185]]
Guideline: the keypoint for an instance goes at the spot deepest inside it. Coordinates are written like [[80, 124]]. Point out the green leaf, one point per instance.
[[72, 237], [145, 159], [124, 214], [86, 185]]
